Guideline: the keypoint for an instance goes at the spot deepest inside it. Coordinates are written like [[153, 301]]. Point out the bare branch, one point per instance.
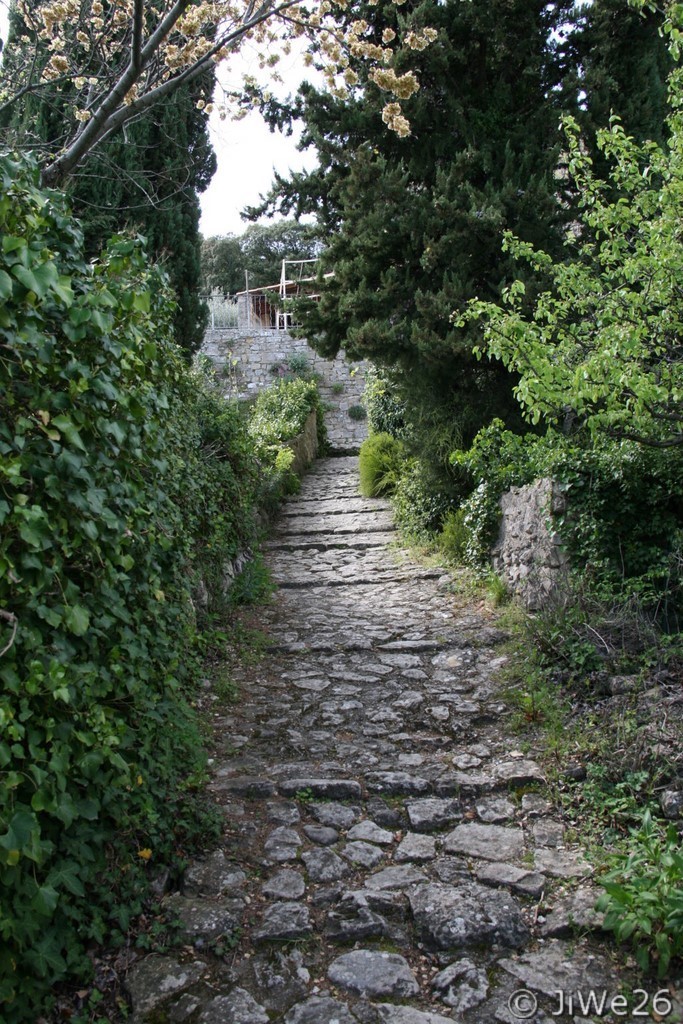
[[9, 617]]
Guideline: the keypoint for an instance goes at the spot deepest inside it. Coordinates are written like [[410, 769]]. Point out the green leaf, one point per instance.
[[45, 901], [77, 620], [65, 876], [45, 958], [69, 430], [65, 809], [10, 243], [20, 830], [39, 280], [5, 285]]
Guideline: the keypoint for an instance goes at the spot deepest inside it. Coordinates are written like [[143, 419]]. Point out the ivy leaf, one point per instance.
[[69, 430], [5, 285], [45, 901], [77, 620], [39, 279], [45, 958], [66, 876], [18, 835]]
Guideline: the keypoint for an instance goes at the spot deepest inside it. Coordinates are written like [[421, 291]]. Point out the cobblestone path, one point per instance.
[[389, 856]]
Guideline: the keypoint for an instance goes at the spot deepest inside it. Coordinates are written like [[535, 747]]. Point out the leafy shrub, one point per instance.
[[386, 411], [358, 412], [279, 414], [380, 460], [452, 540], [299, 364], [120, 481], [643, 899], [420, 504]]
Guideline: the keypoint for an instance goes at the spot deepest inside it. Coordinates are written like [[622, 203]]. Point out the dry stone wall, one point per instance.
[[528, 553], [250, 360]]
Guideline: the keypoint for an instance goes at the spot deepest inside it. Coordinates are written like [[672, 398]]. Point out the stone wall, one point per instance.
[[528, 555], [248, 361]]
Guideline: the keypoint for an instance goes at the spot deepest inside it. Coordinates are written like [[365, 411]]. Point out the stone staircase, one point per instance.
[[388, 854]]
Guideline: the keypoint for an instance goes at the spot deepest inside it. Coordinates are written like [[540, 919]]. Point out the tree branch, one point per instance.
[[9, 617]]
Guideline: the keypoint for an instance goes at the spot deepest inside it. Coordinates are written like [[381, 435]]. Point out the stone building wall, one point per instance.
[[528, 555], [250, 360]]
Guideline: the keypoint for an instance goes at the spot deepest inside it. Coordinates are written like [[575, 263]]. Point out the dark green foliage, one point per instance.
[[386, 412], [149, 181], [278, 415], [413, 227], [623, 64], [421, 502], [120, 483], [280, 412], [380, 463]]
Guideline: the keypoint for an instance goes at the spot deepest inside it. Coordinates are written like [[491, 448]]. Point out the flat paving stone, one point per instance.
[[462, 985], [320, 1010], [284, 885], [363, 855], [238, 1008], [561, 863], [373, 974], [559, 966], [491, 842], [432, 814], [283, 921], [466, 916], [155, 979], [324, 865], [415, 848], [392, 1014], [401, 877], [321, 834], [369, 832], [213, 876], [335, 815], [396, 783], [336, 789]]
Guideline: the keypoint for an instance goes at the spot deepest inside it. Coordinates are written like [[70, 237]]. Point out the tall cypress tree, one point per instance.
[[623, 64], [147, 179], [415, 226]]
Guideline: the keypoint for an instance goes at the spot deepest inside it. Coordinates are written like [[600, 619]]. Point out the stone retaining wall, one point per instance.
[[249, 361], [528, 554]]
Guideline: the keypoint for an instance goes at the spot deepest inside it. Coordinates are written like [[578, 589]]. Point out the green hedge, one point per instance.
[[122, 479]]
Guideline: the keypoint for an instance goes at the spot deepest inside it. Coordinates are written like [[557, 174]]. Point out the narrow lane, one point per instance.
[[389, 855]]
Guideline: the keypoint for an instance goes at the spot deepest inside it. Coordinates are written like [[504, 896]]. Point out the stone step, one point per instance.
[[325, 542], [336, 523], [338, 506], [286, 580]]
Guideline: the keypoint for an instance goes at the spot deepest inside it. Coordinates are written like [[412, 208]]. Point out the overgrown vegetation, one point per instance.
[[125, 483]]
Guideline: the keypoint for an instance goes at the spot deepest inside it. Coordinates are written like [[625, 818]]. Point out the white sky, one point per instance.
[[247, 153]]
